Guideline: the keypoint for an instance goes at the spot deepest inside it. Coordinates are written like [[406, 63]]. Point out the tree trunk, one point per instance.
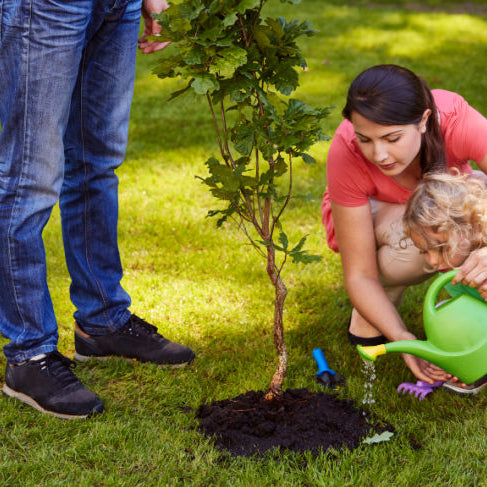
[[275, 387]]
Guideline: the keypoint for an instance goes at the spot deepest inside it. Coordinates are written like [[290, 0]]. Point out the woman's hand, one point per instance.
[[427, 371], [473, 272], [424, 370]]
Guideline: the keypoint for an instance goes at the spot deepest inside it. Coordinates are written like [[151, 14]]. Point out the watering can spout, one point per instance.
[[371, 353], [420, 348]]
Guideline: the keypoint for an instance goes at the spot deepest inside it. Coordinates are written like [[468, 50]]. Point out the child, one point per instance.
[[446, 218]]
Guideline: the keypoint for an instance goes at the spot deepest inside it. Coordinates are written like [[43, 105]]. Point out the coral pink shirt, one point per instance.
[[352, 179]]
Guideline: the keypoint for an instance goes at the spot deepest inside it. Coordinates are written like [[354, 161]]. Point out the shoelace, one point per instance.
[[137, 325], [59, 366]]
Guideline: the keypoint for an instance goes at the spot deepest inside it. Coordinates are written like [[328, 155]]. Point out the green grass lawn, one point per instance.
[[207, 288]]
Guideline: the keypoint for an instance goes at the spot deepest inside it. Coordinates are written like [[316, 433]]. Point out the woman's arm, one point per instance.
[[356, 239]]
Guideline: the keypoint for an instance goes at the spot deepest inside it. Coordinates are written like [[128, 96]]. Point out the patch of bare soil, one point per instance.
[[300, 421]]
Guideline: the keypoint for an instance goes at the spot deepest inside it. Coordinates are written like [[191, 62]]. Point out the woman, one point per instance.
[[396, 130]]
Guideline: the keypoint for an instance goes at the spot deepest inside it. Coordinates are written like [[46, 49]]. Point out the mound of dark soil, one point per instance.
[[301, 420]]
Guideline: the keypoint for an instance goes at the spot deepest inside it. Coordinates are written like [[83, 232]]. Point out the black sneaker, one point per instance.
[[49, 385], [137, 339], [469, 390]]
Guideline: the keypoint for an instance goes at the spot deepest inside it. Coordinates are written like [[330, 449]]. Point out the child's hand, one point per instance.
[[473, 272]]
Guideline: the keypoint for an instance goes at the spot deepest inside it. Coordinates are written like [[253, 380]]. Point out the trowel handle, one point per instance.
[[321, 361], [432, 293]]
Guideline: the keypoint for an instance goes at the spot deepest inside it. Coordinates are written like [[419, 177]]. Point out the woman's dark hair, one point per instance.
[[392, 95]]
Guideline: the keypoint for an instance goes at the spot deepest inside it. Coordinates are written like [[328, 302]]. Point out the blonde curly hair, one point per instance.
[[452, 204]]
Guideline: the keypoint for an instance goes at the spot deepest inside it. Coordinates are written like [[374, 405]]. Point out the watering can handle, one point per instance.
[[435, 288]]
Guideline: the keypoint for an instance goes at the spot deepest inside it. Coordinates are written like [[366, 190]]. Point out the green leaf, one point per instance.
[[212, 34], [225, 215], [265, 177], [173, 21], [308, 159], [203, 83], [248, 182], [222, 194], [304, 258], [296, 28], [230, 19], [296, 108], [194, 56], [271, 244], [276, 27], [165, 67], [280, 167], [244, 5], [190, 10], [283, 240], [227, 61], [225, 175], [378, 438], [286, 79], [261, 38], [243, 138], [300, 245], [238, 88]]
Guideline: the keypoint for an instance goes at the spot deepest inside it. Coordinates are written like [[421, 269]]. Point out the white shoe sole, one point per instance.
[[469, 390], [31, 402]]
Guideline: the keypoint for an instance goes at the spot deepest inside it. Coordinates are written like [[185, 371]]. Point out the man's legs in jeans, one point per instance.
[[90, 49], [46, 53], [40, 49], [95, 143]]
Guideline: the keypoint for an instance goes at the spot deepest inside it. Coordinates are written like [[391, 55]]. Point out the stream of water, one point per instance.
[[368, 372]]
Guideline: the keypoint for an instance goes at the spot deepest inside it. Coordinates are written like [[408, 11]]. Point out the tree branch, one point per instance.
[[257, 176], [225, 132], [217, 130]]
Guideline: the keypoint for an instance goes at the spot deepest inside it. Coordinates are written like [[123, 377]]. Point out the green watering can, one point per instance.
[[456, 334]]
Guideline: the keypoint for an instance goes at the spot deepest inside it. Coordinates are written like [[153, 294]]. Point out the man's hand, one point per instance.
[[152, 28]]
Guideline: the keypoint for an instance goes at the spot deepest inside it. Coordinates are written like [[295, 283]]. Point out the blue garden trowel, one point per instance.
[[326, 376]]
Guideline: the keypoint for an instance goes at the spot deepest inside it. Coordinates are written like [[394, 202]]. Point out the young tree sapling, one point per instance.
[[247, 67]]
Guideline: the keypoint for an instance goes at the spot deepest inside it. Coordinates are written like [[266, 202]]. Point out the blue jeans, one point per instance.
[[67, 71]]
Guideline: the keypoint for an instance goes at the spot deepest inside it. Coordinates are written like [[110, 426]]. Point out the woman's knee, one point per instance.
[[401, 265]]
